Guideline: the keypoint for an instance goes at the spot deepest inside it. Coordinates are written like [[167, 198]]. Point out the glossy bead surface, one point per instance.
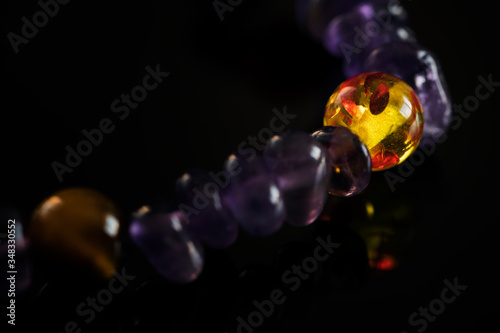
[[299, 164], [383, 111], [199, 195], [253, 196], [348, 158], [419, 68], [167, 244], [78, 226]]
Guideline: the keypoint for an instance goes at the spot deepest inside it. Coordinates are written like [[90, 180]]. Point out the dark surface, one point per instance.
[[225, 79]]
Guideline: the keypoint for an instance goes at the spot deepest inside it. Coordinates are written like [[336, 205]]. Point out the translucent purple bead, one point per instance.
[[349, 159], [168, 245], [421, 70], [199, 195], [253, 196], [299, 164], [354, 34]]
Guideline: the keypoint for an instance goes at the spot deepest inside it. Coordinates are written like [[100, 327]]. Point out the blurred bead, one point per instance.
[[168, 245], [421, 70], [78, 226], [18, 254], [349, 159], [299, 164], [353, 35], [314, 15], [364, 26], [392, 35], [253, 196], [200, 201], [383, 111]]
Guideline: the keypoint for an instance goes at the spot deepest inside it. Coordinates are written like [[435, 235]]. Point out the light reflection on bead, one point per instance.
[[383, 111], [253, 196]]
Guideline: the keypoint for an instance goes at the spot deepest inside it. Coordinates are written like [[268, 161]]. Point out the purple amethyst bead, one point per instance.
[[349, 159], [421, 70], [199, 196], [253, 196], [355, 34], [168, 245], [300, 166]]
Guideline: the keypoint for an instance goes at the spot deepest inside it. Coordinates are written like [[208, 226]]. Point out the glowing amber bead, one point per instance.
[[77, 227], [383, 111]]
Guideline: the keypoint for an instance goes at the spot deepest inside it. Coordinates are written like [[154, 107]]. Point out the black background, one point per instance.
[[225, 79]]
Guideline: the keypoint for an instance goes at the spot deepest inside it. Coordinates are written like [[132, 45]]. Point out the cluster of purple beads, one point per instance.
[[373, 37], [291, 179], [288, 182]]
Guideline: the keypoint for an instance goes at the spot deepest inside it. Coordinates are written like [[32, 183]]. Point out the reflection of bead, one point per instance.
[[201, 203], [388, 222], [383, 111], [349, 159], [78, 226], [167, 244], [253, 196], [421, 70], [299, 164]]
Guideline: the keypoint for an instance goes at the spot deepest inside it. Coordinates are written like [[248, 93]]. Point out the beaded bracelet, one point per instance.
[[373, 121]]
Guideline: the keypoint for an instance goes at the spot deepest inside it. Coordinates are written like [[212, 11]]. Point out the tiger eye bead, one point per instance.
[[78, 227]]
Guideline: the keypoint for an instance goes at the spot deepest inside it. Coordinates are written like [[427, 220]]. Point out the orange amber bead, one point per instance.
[[78, 227], [383, 111]]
